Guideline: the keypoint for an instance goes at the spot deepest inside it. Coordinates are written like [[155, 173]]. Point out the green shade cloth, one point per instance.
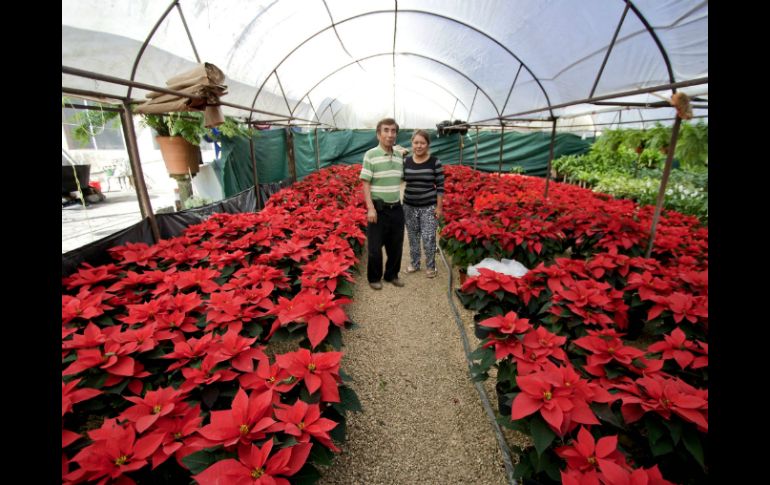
[[527, 150]]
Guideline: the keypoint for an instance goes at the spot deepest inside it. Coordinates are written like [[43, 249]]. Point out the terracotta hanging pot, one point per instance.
[[179, 155]]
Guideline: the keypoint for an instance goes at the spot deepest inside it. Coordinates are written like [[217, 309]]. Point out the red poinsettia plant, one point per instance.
[[630, 330], [164, 350]]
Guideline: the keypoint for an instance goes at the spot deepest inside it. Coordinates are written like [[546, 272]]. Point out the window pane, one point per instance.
[[68, 123], [112, 137]]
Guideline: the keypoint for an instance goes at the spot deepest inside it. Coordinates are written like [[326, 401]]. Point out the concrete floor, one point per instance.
[[82, 225]]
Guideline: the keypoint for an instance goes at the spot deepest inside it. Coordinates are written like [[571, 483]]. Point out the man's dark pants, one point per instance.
[[388, 231]]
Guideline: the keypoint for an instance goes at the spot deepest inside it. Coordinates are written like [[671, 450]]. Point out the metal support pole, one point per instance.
[[254, 167], [476, 150], [96, 96], [609, 50], [662, 87], [550, 157], [290, 152], [460, 144], [663, 182], [91, 108], [150, 87], [136, 168], [317, 151], [500, 162]]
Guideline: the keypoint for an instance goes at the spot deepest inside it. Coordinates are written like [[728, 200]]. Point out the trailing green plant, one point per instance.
[[632, 138], [195, 201], [90, 123], [187, 125], [658, 137], [619, 149], [190, 126], [692, 148], [231, 128], [610, 140], [603, 157], [614, 166]]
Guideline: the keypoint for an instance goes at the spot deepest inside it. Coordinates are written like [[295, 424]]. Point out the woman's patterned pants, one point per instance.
[[421, 223]]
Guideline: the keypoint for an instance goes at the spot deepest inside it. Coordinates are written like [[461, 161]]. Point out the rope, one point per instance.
[[504, 450]]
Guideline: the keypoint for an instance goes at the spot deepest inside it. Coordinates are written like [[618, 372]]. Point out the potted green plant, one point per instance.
[[195, 201], [179, 136], [636, 140], [92, 122], [659, 136], [693, 145]]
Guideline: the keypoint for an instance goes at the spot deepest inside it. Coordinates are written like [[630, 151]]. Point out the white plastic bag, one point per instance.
[[510, 267]]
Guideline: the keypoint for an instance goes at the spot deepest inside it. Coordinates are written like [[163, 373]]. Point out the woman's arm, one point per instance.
[[438, 171]]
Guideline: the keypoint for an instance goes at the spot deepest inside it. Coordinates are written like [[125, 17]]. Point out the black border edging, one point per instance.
[[505, 451], [169, 225]]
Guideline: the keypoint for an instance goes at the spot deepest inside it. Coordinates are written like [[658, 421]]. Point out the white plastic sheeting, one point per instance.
[[349, 63]]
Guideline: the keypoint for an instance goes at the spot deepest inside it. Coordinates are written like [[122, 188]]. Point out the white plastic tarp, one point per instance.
[[423, 61]]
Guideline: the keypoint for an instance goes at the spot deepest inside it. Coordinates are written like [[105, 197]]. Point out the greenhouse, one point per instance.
[[221, 318]]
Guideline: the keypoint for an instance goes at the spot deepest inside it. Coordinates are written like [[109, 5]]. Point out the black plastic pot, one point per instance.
[[503, 401], [481, 332], [636, 321], [529, 481], [68, 183], [635, 328]]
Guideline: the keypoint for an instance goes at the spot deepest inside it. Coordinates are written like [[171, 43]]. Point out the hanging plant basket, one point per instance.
[[179, 155]]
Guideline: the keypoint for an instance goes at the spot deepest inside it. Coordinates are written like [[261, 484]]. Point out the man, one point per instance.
[[381, 174]]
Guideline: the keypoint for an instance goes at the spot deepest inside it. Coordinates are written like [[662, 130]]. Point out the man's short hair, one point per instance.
[[386, 121]]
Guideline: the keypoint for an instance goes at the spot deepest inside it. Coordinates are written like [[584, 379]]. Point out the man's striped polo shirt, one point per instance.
[[384, 171]]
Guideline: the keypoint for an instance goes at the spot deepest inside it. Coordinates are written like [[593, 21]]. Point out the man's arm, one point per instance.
[[371, 212]]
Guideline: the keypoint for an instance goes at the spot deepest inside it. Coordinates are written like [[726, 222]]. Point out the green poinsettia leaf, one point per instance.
[[334, 337], [307, 475], [200, 460], [542, 435], [350, 399], [344, 287], [692, 441], [320, 455], [604, 413]]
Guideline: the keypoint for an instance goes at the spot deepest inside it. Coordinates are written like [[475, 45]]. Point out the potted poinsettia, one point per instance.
[[166, 361]]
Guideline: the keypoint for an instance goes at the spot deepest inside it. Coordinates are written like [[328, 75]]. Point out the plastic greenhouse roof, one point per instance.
[[347, 64]]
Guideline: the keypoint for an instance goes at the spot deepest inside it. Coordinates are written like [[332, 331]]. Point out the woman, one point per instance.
[[423, 200]]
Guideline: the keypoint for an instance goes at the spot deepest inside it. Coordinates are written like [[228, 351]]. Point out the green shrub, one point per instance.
[[614, 167]]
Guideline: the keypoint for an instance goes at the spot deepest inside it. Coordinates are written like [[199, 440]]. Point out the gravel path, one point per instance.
[[422, 420]]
